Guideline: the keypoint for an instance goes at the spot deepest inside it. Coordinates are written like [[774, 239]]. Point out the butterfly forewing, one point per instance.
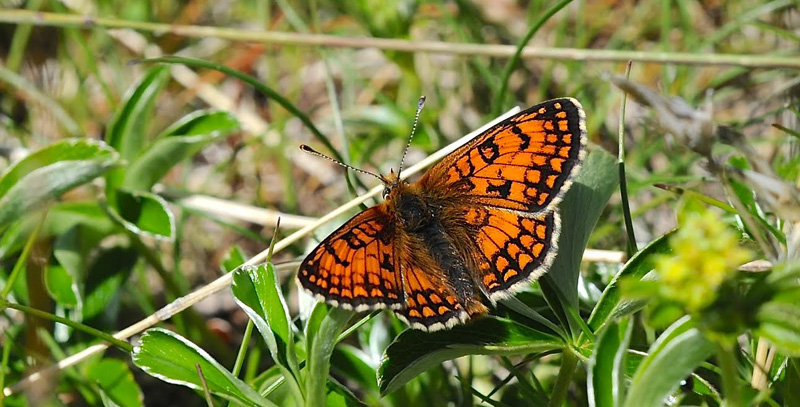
[[525, 163], [357, 266]]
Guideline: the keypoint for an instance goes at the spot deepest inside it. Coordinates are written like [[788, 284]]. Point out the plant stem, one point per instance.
[[512, 63], [319, 356], [80, 327], [298, 39], [248, 333], [23, 257], [623, 184], [730, 376], [569, 361]]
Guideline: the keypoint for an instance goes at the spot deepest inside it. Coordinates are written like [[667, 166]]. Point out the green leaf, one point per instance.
[[61, 286], [340, 396], [116, 380], [257, 291], [351, 362], [791, 383], [48, 173], [72, 249], [672, 358], [580, 210], [143, 213], [779, 321], [607, 364], [65, 150], [234, 258], [109, 272], [61, 217], [414, 352], [747, 196], [127, 131], [172, 358], [180, 141], [320, 342], [638, 265]]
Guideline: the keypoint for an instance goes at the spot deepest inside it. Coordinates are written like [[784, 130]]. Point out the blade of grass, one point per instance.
[[499, 98], [204, 384], [70, 323], [28, 91], [267, 91], [20, 40], [623, 186], [4, 362], [23, 257], [439, 47]]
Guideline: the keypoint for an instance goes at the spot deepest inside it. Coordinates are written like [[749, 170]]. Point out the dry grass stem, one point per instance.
[[314, 40]]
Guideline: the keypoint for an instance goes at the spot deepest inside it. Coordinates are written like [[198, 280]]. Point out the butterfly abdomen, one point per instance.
[[421, 219]]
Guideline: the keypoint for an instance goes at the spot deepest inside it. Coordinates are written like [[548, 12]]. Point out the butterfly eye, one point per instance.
[[385, 193]]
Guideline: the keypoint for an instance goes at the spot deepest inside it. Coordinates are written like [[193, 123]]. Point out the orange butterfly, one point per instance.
[[479, 224]]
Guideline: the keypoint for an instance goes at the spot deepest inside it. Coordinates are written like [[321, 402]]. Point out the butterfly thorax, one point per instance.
[[413, 210], [421, 219]]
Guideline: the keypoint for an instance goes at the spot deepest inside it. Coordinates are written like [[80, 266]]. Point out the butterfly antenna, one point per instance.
[[420, 105], [311, 151]]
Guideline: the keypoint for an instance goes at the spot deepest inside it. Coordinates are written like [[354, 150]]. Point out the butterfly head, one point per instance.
[[391, 184]]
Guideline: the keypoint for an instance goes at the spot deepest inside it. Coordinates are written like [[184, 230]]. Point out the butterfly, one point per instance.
[[478, 225]]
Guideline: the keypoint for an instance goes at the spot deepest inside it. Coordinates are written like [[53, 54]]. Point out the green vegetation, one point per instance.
[[149, 148]]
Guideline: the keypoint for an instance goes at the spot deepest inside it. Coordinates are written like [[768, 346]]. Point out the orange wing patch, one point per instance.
[[429, 306], [525, 163], [356, 266], [514, 249]]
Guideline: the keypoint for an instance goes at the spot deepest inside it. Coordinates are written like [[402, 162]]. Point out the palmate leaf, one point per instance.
[[580, 211], [322, 334], [581, 208]]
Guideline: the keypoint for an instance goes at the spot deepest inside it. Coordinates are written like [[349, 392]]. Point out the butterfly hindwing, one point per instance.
[[357, 265], [512, 249], [525, 163], [430, 304]]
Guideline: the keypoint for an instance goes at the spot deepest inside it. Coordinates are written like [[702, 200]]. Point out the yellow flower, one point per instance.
[[705, 254]]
